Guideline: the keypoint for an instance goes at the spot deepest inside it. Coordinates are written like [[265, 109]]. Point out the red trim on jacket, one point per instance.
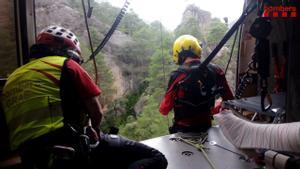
[[167, 103]]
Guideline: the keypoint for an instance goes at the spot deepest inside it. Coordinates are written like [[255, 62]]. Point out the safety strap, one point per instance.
[[198, 143], [260, 29]]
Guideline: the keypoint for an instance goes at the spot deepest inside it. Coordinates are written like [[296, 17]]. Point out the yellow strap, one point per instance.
[[199, 147]]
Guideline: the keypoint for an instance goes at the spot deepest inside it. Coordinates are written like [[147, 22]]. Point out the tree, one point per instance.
[[131, 23], [150, 123], [217, 30]]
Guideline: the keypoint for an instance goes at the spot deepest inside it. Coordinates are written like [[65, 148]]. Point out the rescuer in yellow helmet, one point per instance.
[[191, 91]]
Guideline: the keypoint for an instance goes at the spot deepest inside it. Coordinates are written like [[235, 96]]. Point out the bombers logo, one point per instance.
[[280, 11]]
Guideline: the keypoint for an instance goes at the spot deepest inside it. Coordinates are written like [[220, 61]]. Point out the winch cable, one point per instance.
[[238, 59], [90, 9], [232, 48], [89, 36], [163, 68], [111, 30], [228, 34], [162, 54]]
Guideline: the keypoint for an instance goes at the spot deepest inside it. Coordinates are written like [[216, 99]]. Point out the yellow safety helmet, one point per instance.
[[186, 46]]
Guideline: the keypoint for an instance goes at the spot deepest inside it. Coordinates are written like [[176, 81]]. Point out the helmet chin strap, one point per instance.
[[74, 56], [181, 59]]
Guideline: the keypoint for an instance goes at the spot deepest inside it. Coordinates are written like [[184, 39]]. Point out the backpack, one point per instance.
[[196, 92]]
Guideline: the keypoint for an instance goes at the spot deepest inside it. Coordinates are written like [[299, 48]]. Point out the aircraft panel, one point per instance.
[[181, 155]]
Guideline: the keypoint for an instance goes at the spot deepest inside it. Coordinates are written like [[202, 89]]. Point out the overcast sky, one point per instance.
[[169, 12]]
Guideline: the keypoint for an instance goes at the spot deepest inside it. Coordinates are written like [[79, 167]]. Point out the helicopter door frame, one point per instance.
[[25, 31], [25, 28]]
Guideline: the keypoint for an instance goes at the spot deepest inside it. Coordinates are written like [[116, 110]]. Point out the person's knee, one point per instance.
[[136, 154], [154, 160], [160, 159], [150, 163]]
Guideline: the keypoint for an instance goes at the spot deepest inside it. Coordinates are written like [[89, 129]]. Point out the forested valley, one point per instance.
[[135, 64]]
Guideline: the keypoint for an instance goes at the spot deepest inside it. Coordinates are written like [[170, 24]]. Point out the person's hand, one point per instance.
[[217, 108], [92, 134]]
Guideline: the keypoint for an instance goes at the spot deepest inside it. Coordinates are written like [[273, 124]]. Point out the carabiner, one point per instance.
[[265, 96]]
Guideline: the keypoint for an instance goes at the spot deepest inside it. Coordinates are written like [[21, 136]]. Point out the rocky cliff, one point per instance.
[[203, 17], [69, 14]]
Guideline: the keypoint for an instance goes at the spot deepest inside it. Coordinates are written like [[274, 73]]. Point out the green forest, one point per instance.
[[147, 62]]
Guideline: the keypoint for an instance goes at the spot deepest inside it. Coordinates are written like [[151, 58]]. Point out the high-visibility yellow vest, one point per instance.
[[31, 99]]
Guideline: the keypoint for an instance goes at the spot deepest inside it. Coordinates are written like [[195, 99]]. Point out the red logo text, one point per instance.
[[280, 11]]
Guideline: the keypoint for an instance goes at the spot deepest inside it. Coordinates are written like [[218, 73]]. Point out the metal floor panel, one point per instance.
[[183, 156]]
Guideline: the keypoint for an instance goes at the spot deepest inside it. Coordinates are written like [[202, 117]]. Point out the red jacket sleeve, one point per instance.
[[85, 86], [167, 103]]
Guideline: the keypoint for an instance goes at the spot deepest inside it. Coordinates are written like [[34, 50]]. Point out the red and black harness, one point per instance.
[[196, 93]]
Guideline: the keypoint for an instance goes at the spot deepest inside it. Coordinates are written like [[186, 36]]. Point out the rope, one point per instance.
[[162, 53], [228, 34], [200, 147], [111, 30], [163, 67], [232, 48], [238, 59], [90, 42]]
